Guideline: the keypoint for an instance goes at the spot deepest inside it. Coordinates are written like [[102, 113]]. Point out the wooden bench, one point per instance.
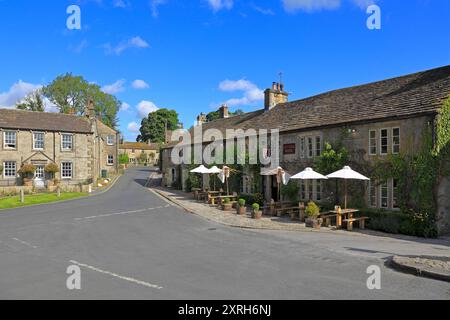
[[361, 220], [279, 211], [327, 218]]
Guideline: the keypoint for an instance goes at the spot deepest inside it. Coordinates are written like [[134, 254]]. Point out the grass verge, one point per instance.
[[14, 202]]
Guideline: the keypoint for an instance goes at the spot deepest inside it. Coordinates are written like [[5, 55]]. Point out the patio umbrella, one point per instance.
[[224, 175], [308, 174], [347, 174], [214, 170], [282, 177], [201, 169]]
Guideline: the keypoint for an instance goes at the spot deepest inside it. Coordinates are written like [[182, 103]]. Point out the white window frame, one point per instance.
[[370, 142], [318, 190], [393, 195], [387, 141], [310, 147], [372, 187], [62, 170], [108, 141], [302, 147], [4, 140], [62, 141], [110, 163], [5, 168], [318, 140], [392, 140], [387, 195], [34, 140]]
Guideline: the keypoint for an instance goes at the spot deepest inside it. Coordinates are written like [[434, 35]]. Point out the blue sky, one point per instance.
[[193, 55]]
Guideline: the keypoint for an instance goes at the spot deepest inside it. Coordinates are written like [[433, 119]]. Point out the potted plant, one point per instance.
[[227, 205], [256, 213], [312, 213], [241, 209], [51, 169], [27, 171]]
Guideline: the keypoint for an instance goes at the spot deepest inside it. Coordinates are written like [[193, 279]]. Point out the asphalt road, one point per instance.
[[131, 244]]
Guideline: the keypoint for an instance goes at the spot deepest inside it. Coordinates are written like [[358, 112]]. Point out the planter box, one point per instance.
[[227, 206], [256, 214], [313, 223], [241, 210]]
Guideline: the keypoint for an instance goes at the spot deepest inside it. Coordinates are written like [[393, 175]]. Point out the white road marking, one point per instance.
[[142, 283], [120, 213], [25, 243]]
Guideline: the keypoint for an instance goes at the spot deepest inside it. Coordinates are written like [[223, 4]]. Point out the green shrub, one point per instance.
[[226, 200], [255, 207], [258, 198], [312, 210], [241, 203], [397, 222], [27, 170], [51, 168]]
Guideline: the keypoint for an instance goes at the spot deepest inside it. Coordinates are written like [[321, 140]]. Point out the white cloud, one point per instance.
[[217, 5], [310, 5], [154, 4], [145, 107], [133, 127], [252, 93], [121, 4], [364, 4], [135, 42], [114, 88], [140, 84], [17, 92], [125, 106]]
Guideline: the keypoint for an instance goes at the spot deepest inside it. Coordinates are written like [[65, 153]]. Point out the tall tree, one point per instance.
[[72, 93], [32, 102], [153, 127]]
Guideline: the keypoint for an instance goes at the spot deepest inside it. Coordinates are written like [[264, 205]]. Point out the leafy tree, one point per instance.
[[32, 102], [72, 93], [153, 127], [215, 115], [124, 158]]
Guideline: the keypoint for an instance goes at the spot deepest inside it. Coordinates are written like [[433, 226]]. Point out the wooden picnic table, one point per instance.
[[347, 214], [214, 198]]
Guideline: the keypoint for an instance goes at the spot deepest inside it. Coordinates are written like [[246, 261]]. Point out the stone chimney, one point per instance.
[[223, 112], [90, 109], [274, 96], [201, 118]]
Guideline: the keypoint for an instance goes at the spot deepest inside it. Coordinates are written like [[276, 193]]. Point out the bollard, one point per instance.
[[22, 196], [58, 192]]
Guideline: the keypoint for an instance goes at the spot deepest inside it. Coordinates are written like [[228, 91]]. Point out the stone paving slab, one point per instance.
[[212, 213]]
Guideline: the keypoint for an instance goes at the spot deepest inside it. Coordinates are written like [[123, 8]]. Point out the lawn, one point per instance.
[[14, 202]]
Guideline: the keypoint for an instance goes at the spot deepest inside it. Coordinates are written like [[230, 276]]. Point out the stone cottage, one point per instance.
[[81, 146], [371, 121]]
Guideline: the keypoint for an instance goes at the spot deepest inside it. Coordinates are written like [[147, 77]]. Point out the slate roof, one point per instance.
[[139, 146], [406, 96], [43, 121]]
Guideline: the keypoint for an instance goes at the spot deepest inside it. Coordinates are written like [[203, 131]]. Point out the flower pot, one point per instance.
[[241, 210], [314, 223], [227, 206], [256, 214]]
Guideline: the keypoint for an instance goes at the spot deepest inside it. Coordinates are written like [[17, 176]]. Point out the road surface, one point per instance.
[[131, 244]]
